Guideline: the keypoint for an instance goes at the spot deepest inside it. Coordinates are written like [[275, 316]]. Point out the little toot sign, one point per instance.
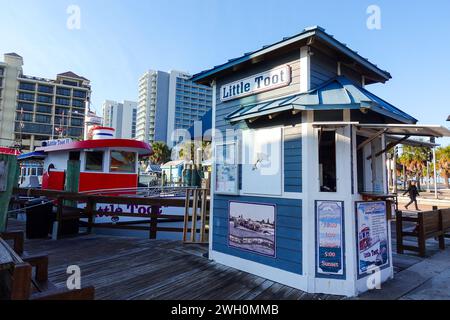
[[264, 81]]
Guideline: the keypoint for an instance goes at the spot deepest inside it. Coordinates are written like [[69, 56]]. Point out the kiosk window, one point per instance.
[[327, 161], [123, 161], [94, 161]]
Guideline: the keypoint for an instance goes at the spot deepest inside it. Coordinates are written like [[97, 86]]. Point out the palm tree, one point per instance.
[[443, 163], [415, 161], [161, 153]]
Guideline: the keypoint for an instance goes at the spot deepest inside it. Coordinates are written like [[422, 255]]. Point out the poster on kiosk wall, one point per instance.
[[373, 240], [329, 237]]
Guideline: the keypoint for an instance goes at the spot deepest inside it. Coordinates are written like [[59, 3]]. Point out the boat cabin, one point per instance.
[[101, 163], [300, 152]]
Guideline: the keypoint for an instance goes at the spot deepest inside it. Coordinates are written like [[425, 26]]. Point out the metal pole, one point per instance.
[[435, 175], [395, 169], [428, 176]]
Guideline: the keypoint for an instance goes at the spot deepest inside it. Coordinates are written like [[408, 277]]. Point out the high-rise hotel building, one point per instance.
[[33, 109], [169, 101], [121, 116]]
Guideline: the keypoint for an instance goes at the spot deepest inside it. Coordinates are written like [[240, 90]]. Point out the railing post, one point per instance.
[[58, 218], [203, 211], [421, 239], [186, 214], [441, 236], [154, 221], [194, 217], [399, 224], [89, 210]]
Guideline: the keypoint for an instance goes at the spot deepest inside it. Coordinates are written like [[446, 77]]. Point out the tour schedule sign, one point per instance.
[[372, 228], [329, 237], [264, 81]]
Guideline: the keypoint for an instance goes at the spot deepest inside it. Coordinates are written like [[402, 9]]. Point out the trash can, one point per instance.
[[39, 214]]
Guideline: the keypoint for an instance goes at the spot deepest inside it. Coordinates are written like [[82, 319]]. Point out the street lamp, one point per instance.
[[448, 119]]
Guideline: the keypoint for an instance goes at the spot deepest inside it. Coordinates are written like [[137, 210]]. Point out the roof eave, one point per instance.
[[204, 77]]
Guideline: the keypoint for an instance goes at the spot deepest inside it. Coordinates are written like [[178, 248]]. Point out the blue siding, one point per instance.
[[288, 232], [293, 159], [324, 68]]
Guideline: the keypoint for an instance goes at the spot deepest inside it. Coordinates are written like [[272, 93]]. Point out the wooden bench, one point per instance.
[[18, 280], [428, 224]]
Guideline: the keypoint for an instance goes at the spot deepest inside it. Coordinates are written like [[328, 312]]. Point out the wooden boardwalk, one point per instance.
[[133, 268]]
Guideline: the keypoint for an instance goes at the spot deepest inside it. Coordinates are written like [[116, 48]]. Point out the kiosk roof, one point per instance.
[[316, 32], [337, 93]]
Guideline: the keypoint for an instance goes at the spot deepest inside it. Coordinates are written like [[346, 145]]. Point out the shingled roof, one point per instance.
[[70, 74]]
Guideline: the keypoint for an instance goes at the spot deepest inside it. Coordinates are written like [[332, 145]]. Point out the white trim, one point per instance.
[[281, 276], [305, 69], [213, 170]]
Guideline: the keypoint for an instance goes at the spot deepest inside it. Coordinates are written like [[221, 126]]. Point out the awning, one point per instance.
[[35, 155], [408, 129], [336, 94]]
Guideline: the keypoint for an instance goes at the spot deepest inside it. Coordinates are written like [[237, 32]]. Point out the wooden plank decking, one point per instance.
[[131, 268]]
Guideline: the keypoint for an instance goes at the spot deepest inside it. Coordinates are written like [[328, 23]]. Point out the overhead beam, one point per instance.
[[370, 139], [389, 147]]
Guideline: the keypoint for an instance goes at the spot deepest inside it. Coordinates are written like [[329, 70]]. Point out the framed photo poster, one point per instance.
[[330, 237], [252, 227], [372, 236], [226, 181]]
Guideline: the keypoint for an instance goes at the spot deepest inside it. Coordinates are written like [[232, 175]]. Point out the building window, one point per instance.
[[45, 89], [45, 99], [76, 122], [61, 121], [75, 132], [27, 86], [78, 103], [123, 161], [64, 111], [327, 161], [63, 101], [94, 161], [62, 91], [79, 94], [24, 116], [43, 109], [25, 106], [70, 83], [42, 118], [26, 96]]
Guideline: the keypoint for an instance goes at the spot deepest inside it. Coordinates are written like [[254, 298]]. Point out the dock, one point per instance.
[[123, 268]]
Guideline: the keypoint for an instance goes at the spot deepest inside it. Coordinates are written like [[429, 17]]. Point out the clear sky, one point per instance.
[[119, 40]]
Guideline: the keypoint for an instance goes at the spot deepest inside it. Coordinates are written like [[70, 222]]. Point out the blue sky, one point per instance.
[[119, 40]]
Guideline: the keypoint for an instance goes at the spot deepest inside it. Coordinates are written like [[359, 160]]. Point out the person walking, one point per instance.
[[412, 193]]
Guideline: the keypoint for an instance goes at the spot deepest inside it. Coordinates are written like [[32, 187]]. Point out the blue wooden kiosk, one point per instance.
[[299, 192]]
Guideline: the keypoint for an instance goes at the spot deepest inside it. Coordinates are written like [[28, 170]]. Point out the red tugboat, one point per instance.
[[106, 163]]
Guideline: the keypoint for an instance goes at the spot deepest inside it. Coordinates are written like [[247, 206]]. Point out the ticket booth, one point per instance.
[[299, 192]]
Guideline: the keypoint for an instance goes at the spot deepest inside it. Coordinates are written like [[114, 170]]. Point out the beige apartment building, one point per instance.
[[33, 109]]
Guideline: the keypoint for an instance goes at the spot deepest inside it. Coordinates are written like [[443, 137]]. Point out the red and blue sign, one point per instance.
[[329, 237]]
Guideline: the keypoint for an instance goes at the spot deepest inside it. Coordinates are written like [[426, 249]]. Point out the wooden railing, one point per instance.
[[426, 225], [195, 204]]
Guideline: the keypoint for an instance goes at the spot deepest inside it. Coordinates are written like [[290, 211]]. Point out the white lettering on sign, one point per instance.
[[264, 81]]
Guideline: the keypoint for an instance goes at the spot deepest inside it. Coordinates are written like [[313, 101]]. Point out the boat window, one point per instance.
[[123, 161], [327, 161], [94, 161]]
